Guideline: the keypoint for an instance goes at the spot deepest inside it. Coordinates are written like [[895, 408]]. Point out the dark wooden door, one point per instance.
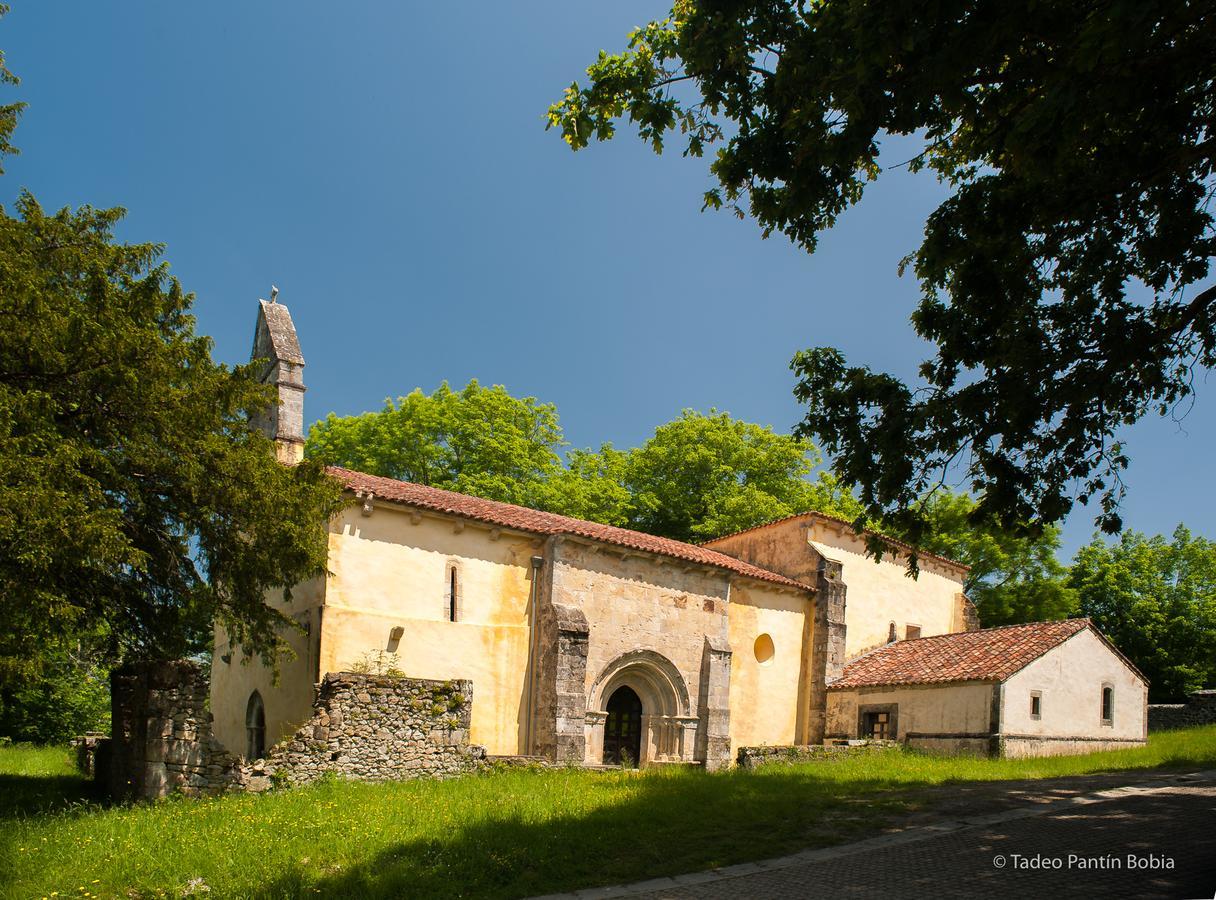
[[623, 730]]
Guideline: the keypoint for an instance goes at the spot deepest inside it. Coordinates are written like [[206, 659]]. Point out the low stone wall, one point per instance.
[[378, 728], [85, 748], [951, 745], [754, 757], [365, 727], [1200, 709]]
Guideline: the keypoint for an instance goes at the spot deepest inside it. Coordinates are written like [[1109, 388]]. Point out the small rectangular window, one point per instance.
[[911, 632], [1036, 704], [1108, 705]]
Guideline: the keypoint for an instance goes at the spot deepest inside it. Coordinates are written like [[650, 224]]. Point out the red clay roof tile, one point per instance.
[[992, 654], [521, 518]]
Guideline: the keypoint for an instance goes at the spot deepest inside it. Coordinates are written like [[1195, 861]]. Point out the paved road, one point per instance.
[[1079, 847]]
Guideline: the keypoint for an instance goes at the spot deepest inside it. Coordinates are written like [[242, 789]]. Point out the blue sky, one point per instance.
[[386, 165]]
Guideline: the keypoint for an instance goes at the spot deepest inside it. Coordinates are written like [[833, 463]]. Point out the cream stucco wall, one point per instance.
[[878, 593], [779, 547], [768, 700], [287, 703], [883, 592], [391, 569], [1071, 677], [961, 708]]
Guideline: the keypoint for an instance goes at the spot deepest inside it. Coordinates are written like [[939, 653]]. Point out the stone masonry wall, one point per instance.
[[161, 740], [365, 727], [754, 757], [1200, 709], [377, 728]]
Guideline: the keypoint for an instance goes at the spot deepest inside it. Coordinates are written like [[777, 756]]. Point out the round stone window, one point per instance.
[[764, 650]]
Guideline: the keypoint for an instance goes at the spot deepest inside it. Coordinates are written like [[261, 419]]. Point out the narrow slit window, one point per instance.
[[1108, 705], [452, 594], [1036, 704], [891, 636]]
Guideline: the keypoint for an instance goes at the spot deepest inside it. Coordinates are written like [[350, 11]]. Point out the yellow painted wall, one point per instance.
[[288, 704], [1070, 678], [964, 708], [766, 699], [390, 569]]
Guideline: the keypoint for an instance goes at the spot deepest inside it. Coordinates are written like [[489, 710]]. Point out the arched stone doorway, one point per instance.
[[667, 725], [623, 728]]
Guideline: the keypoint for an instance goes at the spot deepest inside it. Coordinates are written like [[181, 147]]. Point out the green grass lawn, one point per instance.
[[505, 834]]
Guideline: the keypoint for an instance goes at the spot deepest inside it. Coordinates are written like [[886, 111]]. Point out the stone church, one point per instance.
[[591, 644]]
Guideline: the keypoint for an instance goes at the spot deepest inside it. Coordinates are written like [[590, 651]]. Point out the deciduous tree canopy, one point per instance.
[[1064, 280], [1014, 577], [478, 440], [699, 476], [1156, 599]]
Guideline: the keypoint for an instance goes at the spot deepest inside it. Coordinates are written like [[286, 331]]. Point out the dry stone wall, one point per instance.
[[161, 740], [754, 757], [378, 728], [365, 727], [1200, 709]]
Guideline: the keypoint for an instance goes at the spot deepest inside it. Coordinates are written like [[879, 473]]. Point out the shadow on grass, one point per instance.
[[665, 826], [36, 795]]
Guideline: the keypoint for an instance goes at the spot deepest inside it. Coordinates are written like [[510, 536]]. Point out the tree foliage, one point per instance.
[[1155, 598], [69, 695], [1015, 577], [699, 475], [702, 476], [135, 501], [9, 112], [478, 440], [1058, 278]]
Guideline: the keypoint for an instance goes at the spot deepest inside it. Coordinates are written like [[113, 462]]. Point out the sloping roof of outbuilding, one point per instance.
[[991, 654]]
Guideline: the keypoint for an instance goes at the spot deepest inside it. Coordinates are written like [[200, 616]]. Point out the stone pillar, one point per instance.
[[688, 737], [714, 705], [159, 729], [561, 703], [827, 643], [594, 735]]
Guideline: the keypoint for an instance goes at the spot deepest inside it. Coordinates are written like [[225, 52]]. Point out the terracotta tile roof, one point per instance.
[[992, 654], [824, 517], [521, 518]]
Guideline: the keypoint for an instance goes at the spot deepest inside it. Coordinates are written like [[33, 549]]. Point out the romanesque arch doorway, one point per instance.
[[639, 705], [623, 728]]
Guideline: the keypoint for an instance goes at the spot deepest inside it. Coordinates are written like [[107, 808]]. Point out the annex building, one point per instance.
[[590, 644]]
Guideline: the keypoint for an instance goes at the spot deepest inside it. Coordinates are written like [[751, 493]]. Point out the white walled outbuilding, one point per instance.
[[1041, 689]]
